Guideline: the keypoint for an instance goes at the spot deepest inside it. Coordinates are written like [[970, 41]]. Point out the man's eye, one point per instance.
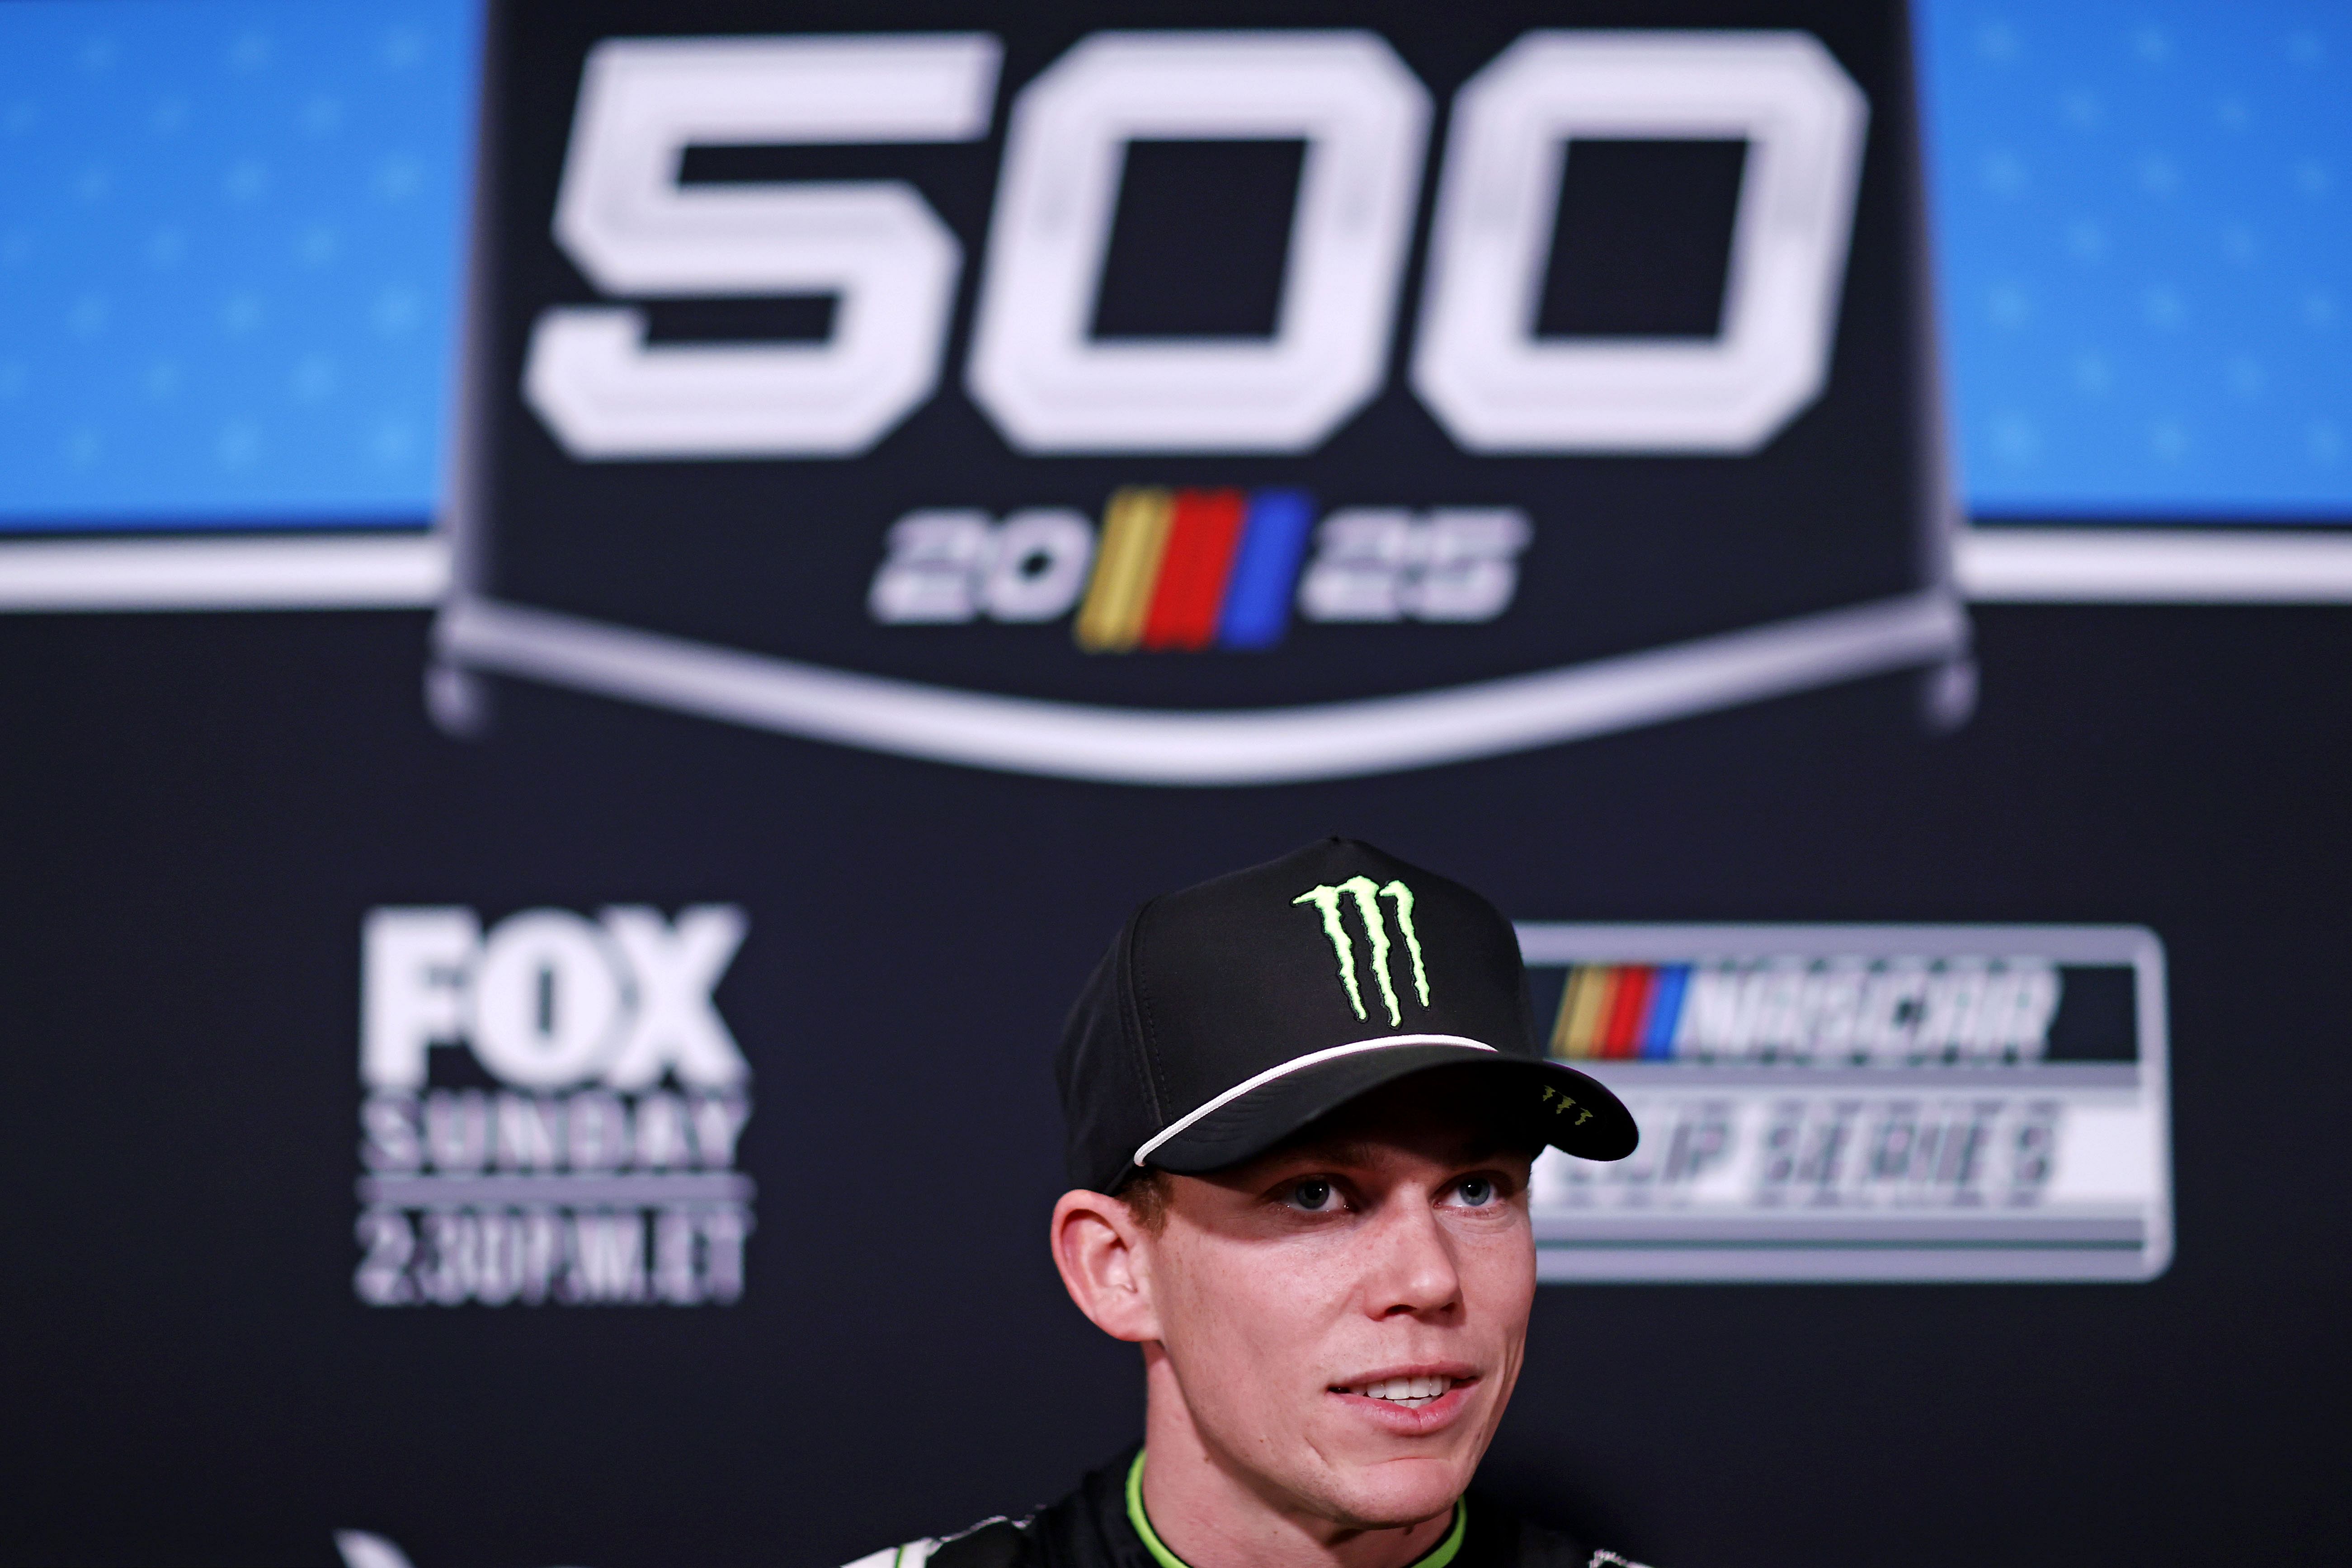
[[1475, 1191], [1313, 1195]]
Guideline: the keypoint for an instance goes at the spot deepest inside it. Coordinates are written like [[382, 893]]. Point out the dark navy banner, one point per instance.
[[564, 1077], [1254, 399]]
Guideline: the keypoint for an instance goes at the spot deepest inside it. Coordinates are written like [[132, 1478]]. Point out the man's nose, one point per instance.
[[1412, 1269]]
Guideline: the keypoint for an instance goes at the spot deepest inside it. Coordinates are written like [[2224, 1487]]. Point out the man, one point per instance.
[[1302, 1101]]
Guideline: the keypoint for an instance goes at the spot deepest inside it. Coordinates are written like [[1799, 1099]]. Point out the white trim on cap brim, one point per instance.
[[1329, 1053]]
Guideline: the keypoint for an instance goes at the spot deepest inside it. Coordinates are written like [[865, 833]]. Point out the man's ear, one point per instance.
[[1106, 1258]]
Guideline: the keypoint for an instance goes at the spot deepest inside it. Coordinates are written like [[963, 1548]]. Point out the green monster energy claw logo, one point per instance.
[[1368, 897]]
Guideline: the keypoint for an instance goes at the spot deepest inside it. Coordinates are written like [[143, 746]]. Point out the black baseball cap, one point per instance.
[[1229, 1015]]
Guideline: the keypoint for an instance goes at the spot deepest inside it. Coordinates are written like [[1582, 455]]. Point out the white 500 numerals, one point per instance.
[[633, 230], [1051, 387]]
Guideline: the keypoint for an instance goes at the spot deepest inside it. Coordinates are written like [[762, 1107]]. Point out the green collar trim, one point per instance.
[[1142, 1523], [1438, 1557]]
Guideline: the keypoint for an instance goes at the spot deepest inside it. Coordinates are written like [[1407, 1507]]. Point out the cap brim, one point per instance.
[[1550, 1100]]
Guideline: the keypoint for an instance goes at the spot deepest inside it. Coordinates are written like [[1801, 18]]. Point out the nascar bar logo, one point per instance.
[[1190, 570], [1197, 567], [1862, 1102], [1618, 408], [1849, 1009], [597, 1164]]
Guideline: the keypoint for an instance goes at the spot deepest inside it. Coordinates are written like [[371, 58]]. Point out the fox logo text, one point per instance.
[[580, 1147], [1367, 896]]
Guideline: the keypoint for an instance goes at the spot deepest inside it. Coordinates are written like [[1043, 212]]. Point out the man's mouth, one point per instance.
[[1410, 1392]]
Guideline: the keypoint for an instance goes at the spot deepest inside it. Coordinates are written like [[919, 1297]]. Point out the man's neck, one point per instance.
[[1207, 1515]]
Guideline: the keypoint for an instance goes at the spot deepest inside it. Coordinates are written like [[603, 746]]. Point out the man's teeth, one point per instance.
[[1410, 1391]]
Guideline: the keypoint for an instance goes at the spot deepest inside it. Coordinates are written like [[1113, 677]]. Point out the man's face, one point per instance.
[[1346, 1316]]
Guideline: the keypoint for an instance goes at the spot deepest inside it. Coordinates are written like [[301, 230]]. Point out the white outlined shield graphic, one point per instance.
[[903, 389]]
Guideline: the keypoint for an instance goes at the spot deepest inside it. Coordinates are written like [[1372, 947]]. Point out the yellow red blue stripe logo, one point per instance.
[[1620, 1010], [1193, 569]]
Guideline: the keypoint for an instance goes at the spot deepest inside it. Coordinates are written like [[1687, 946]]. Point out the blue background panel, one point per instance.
[[228, 259], [230, 236], [2145, 221]]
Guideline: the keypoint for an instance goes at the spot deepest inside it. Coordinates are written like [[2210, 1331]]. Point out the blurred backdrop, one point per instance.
[[609, 602]]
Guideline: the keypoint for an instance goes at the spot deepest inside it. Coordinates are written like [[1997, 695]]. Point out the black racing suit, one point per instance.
[[1102, 1525]]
